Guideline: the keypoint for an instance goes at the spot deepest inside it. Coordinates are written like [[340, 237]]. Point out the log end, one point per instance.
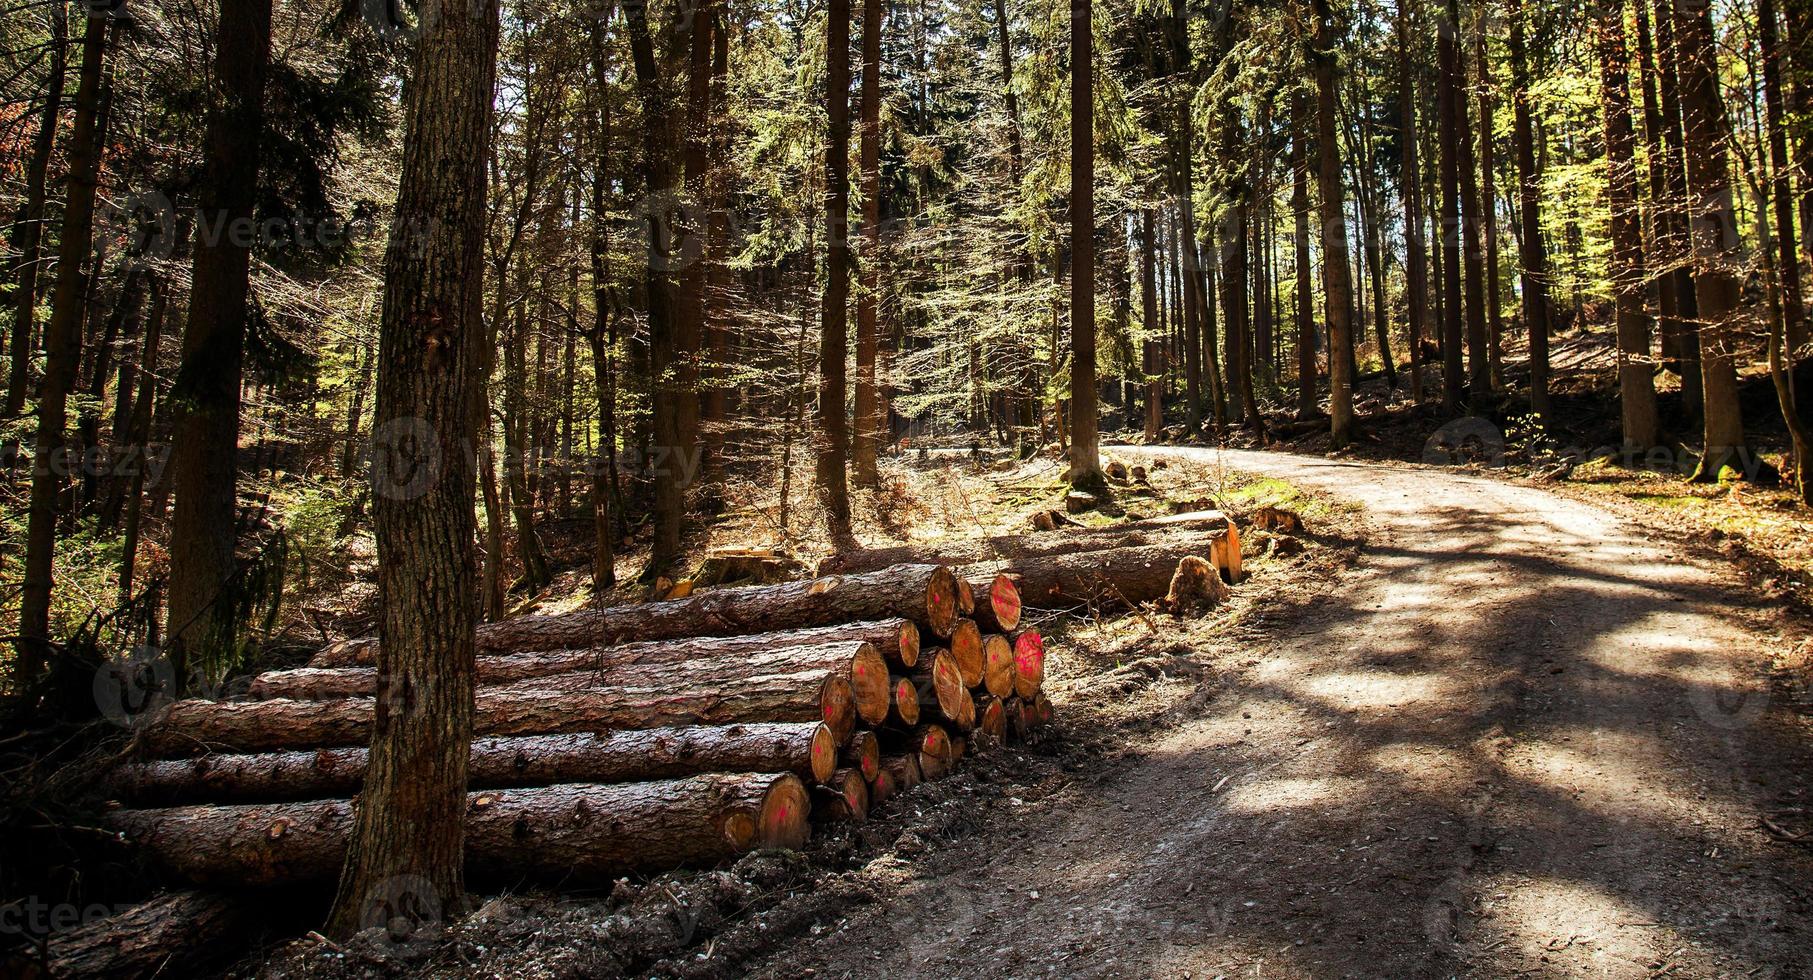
[[998, 665], [824, 753], [869, 682], [784, 820], [906, 702], [966, 648], [1029, 663], [909, 643], [941, 602], [1004, 600], [838, 702]]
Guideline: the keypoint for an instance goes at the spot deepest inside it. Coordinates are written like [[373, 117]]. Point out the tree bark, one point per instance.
[[1788, 257], [420, 729], [896, 639], [1534, 256], [1716, 244], [1009, 547], [568, 833], [806, 749], [867, 442], [1675, 212], [1308, 404], [203, 582], [63, 355], [1336, 271], [1636, 386], [1116, 578], [1085, 457], [176, 933], [31, 229], [817, 695], [1488, 198], [834, 427]]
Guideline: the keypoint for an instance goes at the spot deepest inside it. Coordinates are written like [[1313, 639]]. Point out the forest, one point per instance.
[[398, 387]]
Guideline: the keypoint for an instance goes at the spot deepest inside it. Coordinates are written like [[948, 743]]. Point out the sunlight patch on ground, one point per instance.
[[1271, 795], [1380, 689], [1565, 928], [1613, 774]]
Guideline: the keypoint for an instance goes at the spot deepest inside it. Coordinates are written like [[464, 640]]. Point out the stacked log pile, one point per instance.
[[618, 740]]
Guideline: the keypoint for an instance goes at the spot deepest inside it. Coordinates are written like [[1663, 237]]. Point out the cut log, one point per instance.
[[991, 716], [896, 639], [966, 598], [959, 746], [865, 669], [903, 710], [964, 717], [844, 798], [1029, 663], [882, 788], [997, 665], [998, 605], [932, 744], [570, 832], [904, 769], [807, 749], [1114, 579], [179, 933], [1042, 712], [258, 726], [1011, 547], [862, 753], [939, 684], [966, 650], [1014, 710], [925, 594]]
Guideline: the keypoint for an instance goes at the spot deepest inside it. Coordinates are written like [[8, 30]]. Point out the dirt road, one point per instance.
[[1522, 738]]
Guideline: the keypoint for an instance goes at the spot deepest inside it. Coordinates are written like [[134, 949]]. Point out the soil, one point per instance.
[[1519, 737]]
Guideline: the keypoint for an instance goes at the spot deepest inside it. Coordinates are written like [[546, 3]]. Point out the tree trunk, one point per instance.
[[1154, 357], [526, 708], [1308, 404], [806, 749], [203, 584], [834, 427], [1336, 271], [1675, 214], [31, 229], [1009, 547], [867, 441], [1716, 245], [1636, 386], [1472, 264], [1085, 457], [658, 178], [567, 833], [1118, 578], [1495, 327], [1788, 258], [63, 355], [409, 824], [1416, 259], [1534, 256]]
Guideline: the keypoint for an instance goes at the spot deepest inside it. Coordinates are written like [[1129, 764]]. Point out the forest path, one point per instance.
[[1521, 737]]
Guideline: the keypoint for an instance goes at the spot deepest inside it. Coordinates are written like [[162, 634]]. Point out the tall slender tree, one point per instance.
[[30, 230], [1716, 246], [63, 354], [407, 847], [833, 399], [866, 443], [1636, 384], [1416, 259], [1337, 282], [205, 459], [1085, 453]]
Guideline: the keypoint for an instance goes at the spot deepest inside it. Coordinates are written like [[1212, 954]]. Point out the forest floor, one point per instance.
[[1520, 736]]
